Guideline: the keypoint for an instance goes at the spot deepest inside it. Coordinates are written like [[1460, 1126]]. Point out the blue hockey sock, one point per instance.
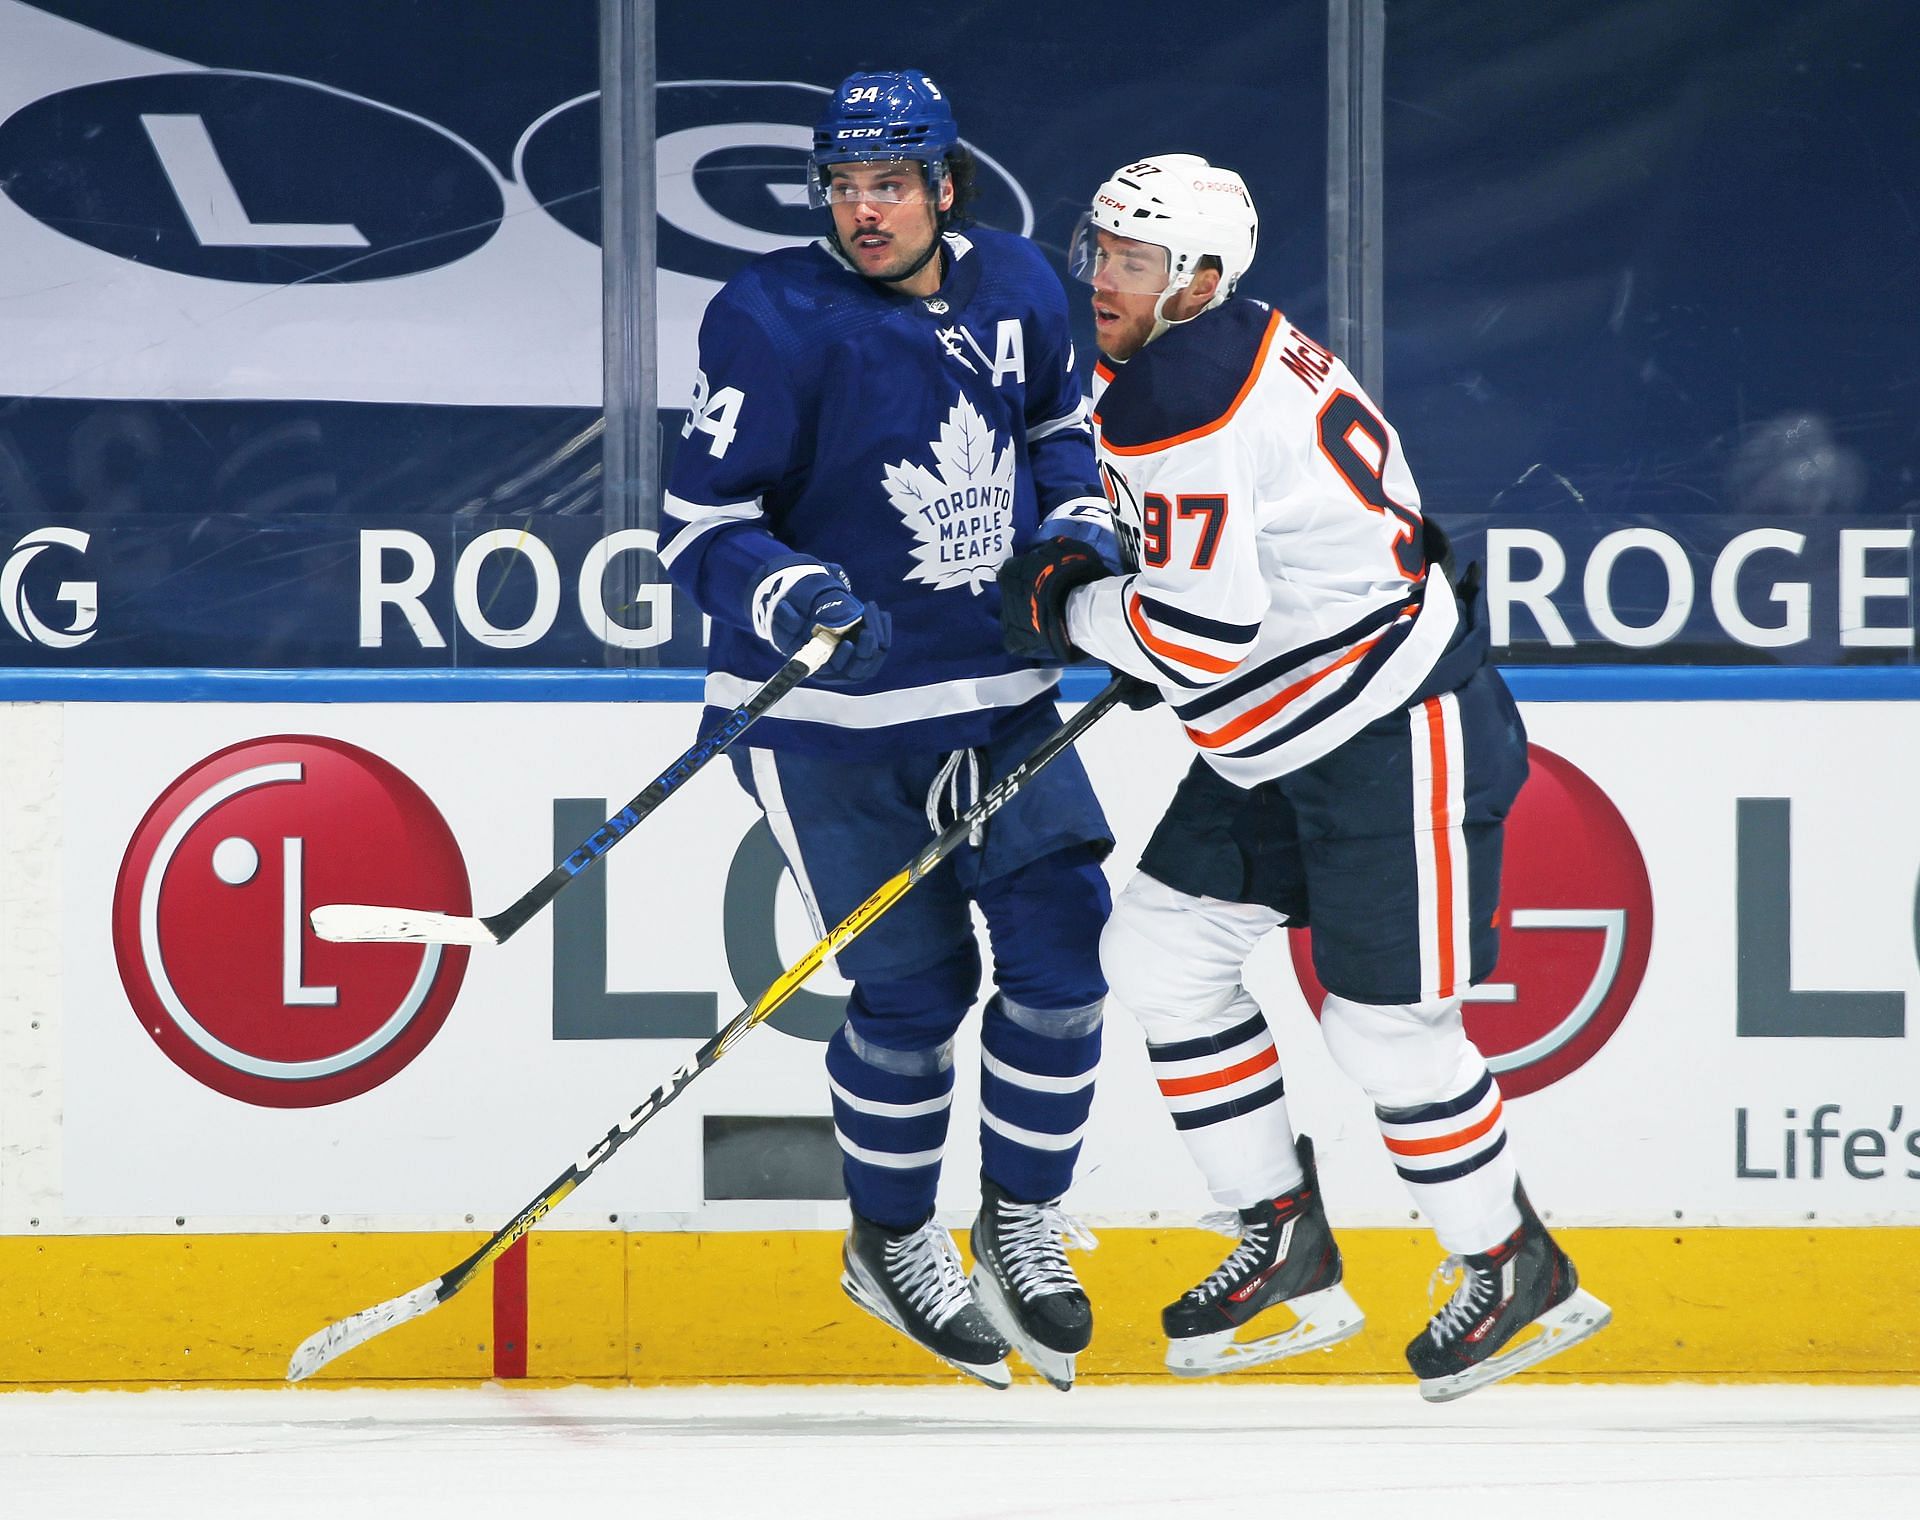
[[1036, 1089], [890, 1112]]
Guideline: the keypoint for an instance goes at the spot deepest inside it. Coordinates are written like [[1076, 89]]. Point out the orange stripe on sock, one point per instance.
[[1454, 1141], [1179, 1087]]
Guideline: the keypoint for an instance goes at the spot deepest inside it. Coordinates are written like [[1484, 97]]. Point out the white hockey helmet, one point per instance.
[[1177, 202]]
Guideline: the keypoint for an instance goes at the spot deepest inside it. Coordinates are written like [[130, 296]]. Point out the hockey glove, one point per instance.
[[1139, 695], [789, 604], [1033, 597]]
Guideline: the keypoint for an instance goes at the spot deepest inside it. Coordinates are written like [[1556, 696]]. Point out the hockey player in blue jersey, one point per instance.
[[880, 419], [1356, 759]]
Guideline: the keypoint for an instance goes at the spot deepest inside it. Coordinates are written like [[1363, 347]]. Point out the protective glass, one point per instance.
[[1111, 262]]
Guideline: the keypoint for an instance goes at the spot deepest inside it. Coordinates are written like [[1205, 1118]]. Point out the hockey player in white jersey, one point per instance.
[[1358, 756]]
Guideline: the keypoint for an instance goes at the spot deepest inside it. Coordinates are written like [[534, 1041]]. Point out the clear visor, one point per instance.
[[1108, 261], [883, 184]]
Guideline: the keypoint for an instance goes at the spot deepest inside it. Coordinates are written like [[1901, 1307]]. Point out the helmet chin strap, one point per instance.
[[912, 269], [939, 227], [1162, 322]]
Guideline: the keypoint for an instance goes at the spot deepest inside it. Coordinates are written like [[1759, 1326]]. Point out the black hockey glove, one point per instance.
[[1136, 693], [1033, 597], [1438, 548]]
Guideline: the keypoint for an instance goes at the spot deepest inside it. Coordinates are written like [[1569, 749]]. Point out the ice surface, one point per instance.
[[960, 1453]]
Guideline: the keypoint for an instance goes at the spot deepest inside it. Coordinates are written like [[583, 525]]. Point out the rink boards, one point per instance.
[[217, 1133]]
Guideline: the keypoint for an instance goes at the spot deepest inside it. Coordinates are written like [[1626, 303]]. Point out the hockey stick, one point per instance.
[[353, 922], [356, 1329]]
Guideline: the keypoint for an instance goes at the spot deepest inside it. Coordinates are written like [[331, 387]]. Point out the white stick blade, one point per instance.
[[355, 923], [318, 1349]]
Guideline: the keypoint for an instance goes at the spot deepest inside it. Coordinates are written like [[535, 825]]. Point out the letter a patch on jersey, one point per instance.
[[961, 511]]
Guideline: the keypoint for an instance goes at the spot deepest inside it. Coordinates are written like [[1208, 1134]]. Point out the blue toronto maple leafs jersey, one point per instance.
[[915, 443]]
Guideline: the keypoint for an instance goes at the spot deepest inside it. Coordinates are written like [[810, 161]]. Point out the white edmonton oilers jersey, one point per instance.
[[1281, 600]]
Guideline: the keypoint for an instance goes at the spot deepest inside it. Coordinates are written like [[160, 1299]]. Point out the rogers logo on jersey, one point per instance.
[[210, 921], [1576, 927]]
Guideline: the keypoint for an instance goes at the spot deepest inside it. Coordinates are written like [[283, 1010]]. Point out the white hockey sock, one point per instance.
[[1453, 1155], [1229, 1104]]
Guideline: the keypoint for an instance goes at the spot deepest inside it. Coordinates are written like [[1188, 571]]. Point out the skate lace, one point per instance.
[[926, 1266], [1473, 1293], [1033, 1247], [1240, 1260]]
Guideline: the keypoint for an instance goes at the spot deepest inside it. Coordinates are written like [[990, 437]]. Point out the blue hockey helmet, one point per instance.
[[897, 114]]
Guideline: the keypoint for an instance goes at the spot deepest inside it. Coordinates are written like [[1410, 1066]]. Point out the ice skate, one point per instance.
[[1286, 1259], [912, 1280], [1515, 1306], [1025, 1283]]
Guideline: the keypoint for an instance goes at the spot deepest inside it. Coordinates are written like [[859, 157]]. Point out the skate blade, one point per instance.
[[1565, 1325], [993, 1374], [1055, 1366], [1326, 1318]]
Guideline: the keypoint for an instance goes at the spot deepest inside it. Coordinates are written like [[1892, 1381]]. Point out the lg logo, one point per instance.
[[210, 921], [230, 175], [83, 597], [1576, 928], [211, 936]]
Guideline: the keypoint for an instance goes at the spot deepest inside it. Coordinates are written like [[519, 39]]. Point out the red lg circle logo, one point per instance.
[[1576, 924], [210, 921]]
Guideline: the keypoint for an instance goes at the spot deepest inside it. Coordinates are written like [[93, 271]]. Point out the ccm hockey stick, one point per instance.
[[356, 1329], [352, 922]]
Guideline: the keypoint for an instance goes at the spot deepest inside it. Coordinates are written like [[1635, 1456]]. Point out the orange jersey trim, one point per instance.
[[1259, 363], [1253, 717], [1195, 658], [1179, 1087], [1451, 1142]]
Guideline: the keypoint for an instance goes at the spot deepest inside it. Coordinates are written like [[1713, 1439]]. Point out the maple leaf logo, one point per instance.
[[961, 512]]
